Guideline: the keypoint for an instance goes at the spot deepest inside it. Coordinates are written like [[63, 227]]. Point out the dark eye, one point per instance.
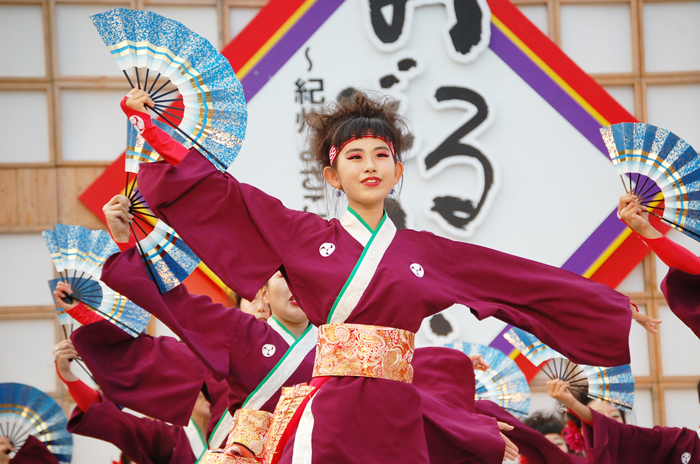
[[383, 154], [352, 157]]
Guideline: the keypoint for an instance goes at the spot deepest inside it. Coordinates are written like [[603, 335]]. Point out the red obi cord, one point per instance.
[[294, 421]]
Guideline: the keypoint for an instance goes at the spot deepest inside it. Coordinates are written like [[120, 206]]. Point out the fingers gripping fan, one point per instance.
[[664, 172], [503, 382], [210, 111], [25, 411], [78, 255]]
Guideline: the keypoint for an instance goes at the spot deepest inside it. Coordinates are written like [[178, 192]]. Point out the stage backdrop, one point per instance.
[[507, 151]]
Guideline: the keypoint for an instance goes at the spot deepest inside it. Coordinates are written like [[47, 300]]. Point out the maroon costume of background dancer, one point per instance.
[[610, 441], [142, 439]]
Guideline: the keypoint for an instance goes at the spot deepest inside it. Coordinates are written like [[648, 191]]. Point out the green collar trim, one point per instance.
[[359, 261]]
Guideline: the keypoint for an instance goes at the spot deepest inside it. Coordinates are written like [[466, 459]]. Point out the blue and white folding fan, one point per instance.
[[662, 167], [25, 411], [78, 255], [614, 385], [531, 347], [168, 259], [210, 111], [503, 382]]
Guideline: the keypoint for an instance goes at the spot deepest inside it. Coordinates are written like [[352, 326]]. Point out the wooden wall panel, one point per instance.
[[29, 197], [72, 181]]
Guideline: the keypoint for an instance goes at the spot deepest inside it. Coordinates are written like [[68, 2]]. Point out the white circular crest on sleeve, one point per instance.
[[417, 269], [137, 122], [326, 249], [685, 458], [268, 350]]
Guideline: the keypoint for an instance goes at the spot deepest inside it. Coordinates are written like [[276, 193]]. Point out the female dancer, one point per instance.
[[142, 439], [681, 286], [368, 285], [452, 428], [610, 441]]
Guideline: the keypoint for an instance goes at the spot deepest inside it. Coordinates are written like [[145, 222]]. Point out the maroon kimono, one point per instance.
[[610, 442], [682, 292], [444, 376], [143, 440], [531, 443], [244, 236], [156, 376], [228, 341], [33, 451]]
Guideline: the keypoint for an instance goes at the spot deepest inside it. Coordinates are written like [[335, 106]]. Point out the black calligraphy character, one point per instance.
[[468, 28], [387, 32], [312, 97], [301, 93], [460, 212]]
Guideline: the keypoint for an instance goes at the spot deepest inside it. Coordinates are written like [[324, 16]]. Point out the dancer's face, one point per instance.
[[606, 409], [366, 170], [558, 440], [281, 301]]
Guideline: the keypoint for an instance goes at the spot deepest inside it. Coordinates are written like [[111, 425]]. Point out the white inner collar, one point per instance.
[[356, 228]]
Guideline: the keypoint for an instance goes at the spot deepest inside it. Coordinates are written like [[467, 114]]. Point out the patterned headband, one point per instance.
[[333, 152]]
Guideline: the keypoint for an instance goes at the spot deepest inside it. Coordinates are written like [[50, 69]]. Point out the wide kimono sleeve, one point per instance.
[[240, 232], [143, 440], [531, 443], [455, 433], [33, 451], [228, 341], [156, 376], [582, 319], [611, 442], [682, 292]]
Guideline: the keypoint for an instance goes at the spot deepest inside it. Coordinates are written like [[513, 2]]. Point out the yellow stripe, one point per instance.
[[272, 41], [514, 354], [555, 77], [214, 278], [608, 251]]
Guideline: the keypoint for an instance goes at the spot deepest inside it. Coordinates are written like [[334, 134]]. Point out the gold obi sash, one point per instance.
[[289, 402], [356, 350], [250, 429]]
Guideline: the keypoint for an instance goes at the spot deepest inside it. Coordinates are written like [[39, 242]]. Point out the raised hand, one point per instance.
[[479, 362], [64, 289], [138, 100], [561, 391], [5, 449], [64, 353], [118, 218], [636, 216]]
